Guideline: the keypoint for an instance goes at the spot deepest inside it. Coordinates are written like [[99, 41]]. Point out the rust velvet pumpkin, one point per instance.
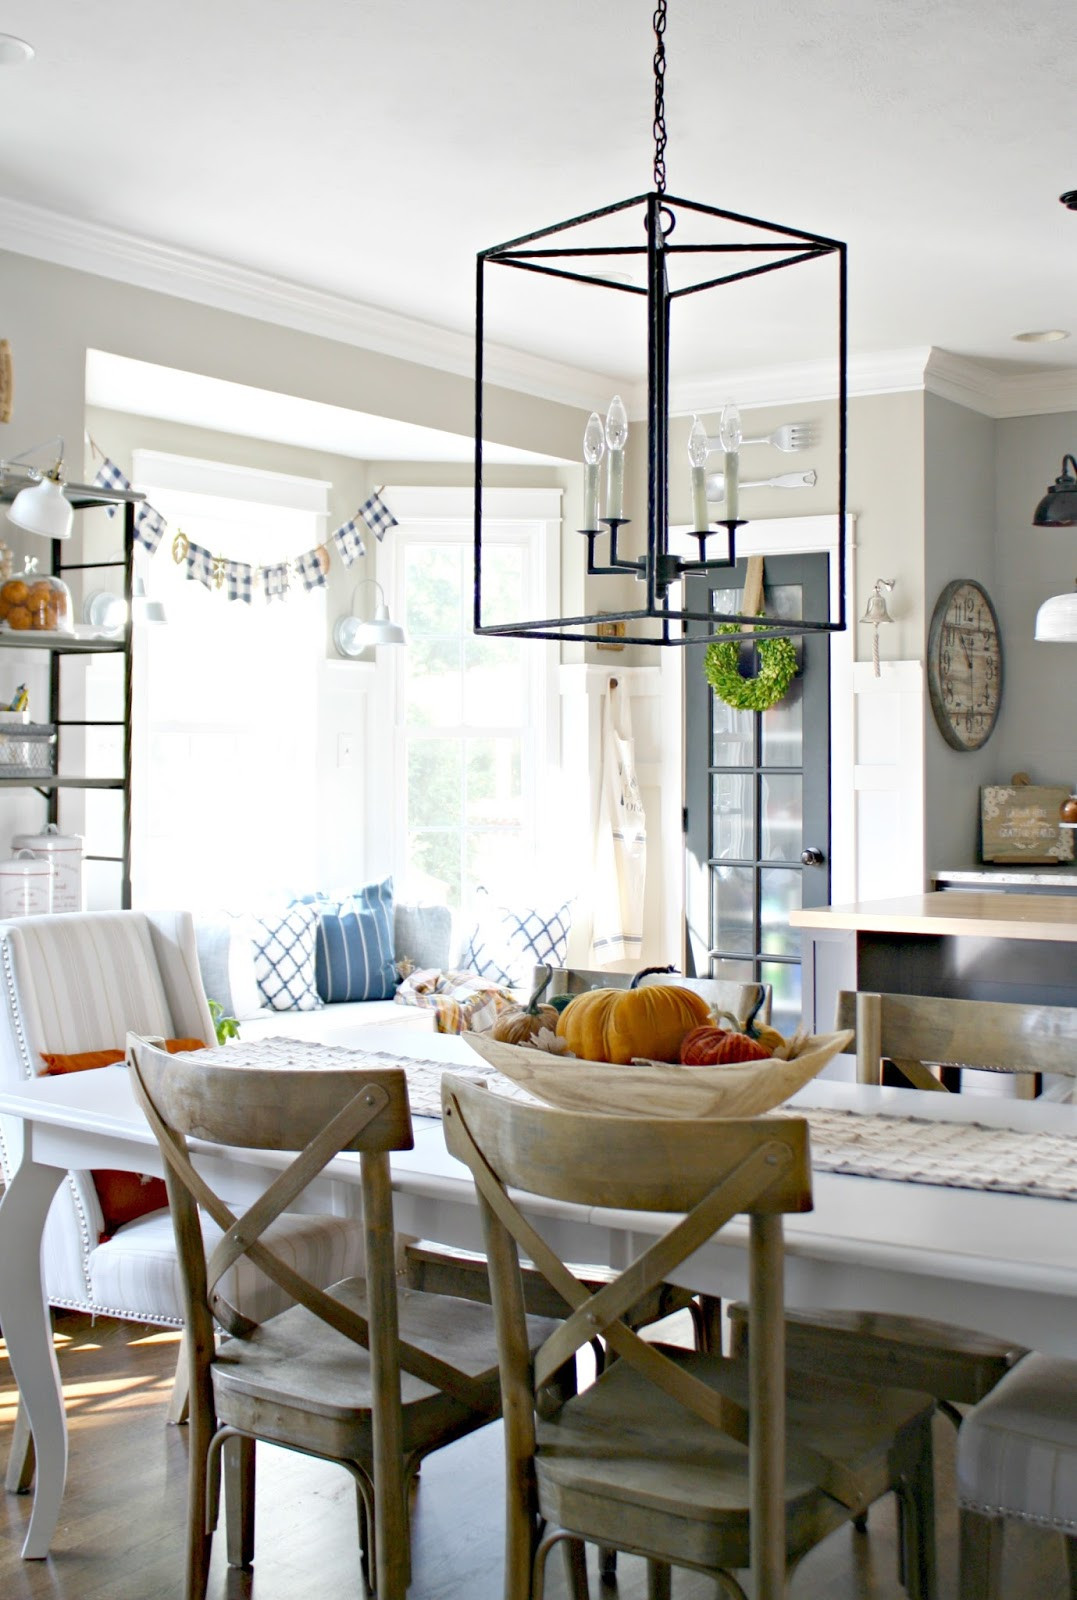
[[711, 1046], [619, 1024]]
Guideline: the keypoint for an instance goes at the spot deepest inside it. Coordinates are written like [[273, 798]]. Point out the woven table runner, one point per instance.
[[424, 1077], [954, 1155]]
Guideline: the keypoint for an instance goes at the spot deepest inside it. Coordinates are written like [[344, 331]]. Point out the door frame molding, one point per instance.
[[778, 536]]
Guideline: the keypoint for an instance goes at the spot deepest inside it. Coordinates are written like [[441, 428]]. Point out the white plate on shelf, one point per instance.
[[79, 630]]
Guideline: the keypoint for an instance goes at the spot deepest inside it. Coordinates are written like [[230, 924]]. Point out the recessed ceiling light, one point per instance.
[[1043, 336], [13, 52]]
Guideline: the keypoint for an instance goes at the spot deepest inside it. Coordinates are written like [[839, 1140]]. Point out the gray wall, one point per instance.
[[1038, 726], [959, 542]]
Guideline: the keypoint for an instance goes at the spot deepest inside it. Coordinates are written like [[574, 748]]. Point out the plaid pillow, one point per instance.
[[284, 958], [507, 941]]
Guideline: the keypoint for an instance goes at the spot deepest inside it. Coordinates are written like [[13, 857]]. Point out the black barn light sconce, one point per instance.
[[685, 249], [1058, 508]]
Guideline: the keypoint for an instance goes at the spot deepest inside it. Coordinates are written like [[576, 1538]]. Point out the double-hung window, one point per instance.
[[475, 718]]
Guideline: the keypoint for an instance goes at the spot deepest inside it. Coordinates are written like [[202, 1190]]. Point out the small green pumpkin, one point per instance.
[[520, 1024]]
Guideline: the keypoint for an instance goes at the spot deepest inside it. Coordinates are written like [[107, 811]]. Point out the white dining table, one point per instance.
[[1000, 1262]]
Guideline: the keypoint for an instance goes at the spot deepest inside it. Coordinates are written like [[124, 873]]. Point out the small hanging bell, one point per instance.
[[876, 613]]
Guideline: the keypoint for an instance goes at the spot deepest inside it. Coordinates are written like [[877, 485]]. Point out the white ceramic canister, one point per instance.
[[25, 886], [64, 852]]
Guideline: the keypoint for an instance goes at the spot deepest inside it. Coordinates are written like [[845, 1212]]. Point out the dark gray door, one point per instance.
[[757, 797]]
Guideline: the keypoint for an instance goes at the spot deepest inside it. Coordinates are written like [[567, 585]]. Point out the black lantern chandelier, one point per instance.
[[716, 248]]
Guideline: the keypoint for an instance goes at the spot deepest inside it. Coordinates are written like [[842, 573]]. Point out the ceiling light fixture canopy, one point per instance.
[[353, 634], [686, 249], [1058, 508], [40, 507], [14, 52]]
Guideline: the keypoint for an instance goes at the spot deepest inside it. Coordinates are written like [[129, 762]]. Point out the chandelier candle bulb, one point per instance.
[[616, 439], [730, 435], [594, 448], [698, 447]]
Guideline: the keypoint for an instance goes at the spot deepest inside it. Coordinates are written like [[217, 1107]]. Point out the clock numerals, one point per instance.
[[964, 665]]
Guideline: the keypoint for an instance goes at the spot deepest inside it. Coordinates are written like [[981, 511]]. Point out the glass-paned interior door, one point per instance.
[[757, 797]]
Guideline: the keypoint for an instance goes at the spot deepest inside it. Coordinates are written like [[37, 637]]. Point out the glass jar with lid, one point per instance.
[[36, 604]]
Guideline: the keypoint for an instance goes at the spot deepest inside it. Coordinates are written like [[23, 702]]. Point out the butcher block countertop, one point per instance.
[[968, 914]]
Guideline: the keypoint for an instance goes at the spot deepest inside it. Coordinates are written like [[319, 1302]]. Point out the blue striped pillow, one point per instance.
[[354, 958]]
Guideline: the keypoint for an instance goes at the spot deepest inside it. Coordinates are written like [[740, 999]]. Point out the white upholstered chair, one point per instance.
[[81, 981], [1017, 1460]]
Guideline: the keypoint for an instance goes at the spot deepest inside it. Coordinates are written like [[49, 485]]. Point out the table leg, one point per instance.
[[24, 1317]]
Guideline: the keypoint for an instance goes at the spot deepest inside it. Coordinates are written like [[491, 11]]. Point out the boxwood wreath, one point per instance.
[[777, 667]]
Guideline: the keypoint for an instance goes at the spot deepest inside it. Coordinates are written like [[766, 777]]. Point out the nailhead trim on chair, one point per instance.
[[15, 1015], [84, 1234], [14, 1009], [1061, 1524], [157, 1318]]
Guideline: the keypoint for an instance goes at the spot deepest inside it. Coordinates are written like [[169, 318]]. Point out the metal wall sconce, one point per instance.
[[353, 634], [1058, 508], [1056, 620], [660, 250], [40, 507]]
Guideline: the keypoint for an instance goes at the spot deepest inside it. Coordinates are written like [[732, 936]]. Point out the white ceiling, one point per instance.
[[368, 151]]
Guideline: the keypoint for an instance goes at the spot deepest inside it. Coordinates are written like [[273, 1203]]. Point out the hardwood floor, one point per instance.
[[120, 1536]]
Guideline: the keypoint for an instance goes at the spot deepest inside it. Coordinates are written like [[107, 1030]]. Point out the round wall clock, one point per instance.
[[964, 664]]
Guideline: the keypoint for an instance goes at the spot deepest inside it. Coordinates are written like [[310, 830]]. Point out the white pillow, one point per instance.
[[284, 957], [226, 958], [506, 941]]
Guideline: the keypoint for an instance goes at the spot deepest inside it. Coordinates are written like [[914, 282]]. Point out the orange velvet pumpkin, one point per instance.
[[708, 1046], [619, 1024]]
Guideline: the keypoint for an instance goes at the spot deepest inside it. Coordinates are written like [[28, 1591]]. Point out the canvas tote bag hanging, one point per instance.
[[621, 839]]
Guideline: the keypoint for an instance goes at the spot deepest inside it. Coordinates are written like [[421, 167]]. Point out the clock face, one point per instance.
[[964, 665]]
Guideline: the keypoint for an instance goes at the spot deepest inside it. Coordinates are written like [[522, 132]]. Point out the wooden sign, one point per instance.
[[1019, 823]]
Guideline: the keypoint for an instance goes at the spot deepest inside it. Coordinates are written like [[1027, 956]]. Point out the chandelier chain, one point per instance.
[[660, 98]]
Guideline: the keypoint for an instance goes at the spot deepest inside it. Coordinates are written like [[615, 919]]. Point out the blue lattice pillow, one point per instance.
[[507, 941], [284, 943], [355, 957]]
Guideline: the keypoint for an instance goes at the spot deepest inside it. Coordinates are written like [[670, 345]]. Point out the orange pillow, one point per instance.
[[123, 1195], [87, 1060]]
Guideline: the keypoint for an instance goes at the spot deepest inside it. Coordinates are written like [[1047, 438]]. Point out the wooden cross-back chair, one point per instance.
[[724, 994], [919, 1033], [925, 1036], [446, 1270], [355, 1373], [683, 1457]]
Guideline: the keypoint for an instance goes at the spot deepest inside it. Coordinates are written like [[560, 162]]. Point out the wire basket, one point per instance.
[[28, 751]]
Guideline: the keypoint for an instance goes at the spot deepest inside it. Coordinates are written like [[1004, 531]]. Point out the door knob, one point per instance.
[[812, 857]]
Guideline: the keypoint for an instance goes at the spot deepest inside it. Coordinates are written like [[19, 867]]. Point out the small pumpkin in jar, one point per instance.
[[620, 1024], [520, 1024]]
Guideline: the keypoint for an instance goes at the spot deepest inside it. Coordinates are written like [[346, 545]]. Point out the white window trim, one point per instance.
[[430, 507]]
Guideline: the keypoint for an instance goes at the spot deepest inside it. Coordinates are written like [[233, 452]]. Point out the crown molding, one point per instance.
[[995, 394], [167, 269], [799, 383]]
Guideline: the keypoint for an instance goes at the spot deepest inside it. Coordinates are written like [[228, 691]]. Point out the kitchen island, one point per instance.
[[968, 945]]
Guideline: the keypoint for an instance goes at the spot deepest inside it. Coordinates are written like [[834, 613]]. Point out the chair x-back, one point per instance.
[[684, 1457], [920, 1034], [348, 1373]]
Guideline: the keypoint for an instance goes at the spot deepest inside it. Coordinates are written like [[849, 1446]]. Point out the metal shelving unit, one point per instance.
[[60, 649]]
